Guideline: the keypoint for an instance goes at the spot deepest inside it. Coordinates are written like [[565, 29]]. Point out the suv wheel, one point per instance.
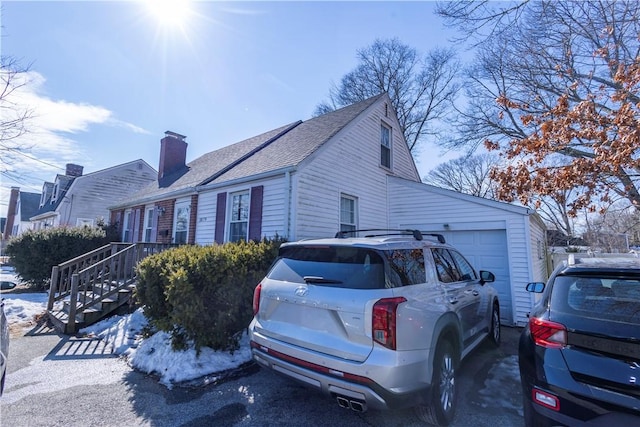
[[495, 325], [442, 407]]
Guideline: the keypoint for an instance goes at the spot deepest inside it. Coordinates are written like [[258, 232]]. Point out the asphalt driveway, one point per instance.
[[56, 380]]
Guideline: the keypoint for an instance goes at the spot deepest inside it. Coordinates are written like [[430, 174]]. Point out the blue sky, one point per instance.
[[107, 79]]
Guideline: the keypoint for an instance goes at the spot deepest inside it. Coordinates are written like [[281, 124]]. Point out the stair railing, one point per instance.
[[61, 274], [107, 277]]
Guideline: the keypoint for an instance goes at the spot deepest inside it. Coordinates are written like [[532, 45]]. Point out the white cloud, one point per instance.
[[49, 143], [133, 128]]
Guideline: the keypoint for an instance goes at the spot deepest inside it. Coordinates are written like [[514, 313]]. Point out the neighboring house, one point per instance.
[[74, 199], [557, 239], [607, 242], [22, 206], [343, 170]]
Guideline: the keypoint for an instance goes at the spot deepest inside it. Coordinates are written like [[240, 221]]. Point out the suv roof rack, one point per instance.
[[417, 234]]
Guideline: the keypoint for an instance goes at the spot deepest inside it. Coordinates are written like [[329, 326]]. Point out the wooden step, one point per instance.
[[60, 321]]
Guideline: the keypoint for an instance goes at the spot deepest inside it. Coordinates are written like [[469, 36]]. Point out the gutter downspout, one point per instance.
[[287, 204]]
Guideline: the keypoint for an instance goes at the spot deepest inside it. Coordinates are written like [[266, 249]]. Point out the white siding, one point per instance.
[[273, 209], [520, 263], [420, 205], [206, 217], [537, 231], [349, 164], [539, 272], [89, 196]]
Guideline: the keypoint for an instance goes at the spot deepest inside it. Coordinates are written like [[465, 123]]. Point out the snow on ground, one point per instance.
[[21, 308], [123, 335]]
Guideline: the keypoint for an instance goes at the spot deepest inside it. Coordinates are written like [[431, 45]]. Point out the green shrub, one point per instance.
[[34, 253], [203, 294]]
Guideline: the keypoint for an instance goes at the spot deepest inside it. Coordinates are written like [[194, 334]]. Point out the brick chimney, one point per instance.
[[11, 212], [74, 170], [173, 153]]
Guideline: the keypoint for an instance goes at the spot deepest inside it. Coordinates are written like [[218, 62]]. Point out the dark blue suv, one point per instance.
[[579, 355]]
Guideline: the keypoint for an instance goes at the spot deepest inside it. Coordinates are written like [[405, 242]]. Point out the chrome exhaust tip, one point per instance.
[[354, 405], [357, 406], [342, 402]]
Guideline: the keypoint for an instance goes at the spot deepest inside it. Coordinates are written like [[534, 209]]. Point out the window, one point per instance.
[[54, 193], [148, 224], [385, 146], [84, 222], [332, 266], [407, 267], [603, 299], [126, 224], [445, 266], [467, 272], [239, 219], [348, 218], [181, 223]]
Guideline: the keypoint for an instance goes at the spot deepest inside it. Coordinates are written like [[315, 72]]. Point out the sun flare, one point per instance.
[[170, 13]]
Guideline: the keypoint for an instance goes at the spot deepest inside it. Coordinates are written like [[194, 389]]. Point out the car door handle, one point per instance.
[[475, 293], [453, 300]]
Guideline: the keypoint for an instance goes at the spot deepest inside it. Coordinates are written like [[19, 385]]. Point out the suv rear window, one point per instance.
[[598, 297], [349, 267]]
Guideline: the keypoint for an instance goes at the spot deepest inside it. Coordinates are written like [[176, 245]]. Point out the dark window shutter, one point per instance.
[[221, 208], [117, 220], [154, 225], [137, 217], [255, 213]]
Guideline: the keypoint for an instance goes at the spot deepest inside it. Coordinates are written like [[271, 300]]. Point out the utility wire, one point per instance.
[[15, 150]]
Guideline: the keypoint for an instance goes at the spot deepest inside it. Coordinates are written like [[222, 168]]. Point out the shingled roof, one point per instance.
[[279, 148], [64, 183], [29, 203]]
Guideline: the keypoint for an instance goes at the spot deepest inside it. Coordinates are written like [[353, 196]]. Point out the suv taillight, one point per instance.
[[384, 321], [548, 334], [256, 298]]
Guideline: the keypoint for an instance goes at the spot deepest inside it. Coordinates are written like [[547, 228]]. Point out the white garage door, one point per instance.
[[487, 250]]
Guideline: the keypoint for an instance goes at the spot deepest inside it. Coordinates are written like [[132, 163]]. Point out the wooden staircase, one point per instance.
[[92, 286]]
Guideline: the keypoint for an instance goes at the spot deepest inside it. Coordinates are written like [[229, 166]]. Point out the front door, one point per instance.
[[181, 222]]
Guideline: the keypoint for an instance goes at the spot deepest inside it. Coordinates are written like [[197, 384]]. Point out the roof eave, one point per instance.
[[249, 178], [44, 215], [189, 191]]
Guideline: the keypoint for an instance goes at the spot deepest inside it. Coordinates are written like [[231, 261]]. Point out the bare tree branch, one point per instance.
[[467, 174], [13, 116], [421, 89], [565, 75]]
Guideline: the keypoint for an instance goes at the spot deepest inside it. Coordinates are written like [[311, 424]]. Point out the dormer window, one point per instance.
[[385, 146], [54, 193]]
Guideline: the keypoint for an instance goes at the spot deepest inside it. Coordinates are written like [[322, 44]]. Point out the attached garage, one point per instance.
[[487, 248], [505, 239]]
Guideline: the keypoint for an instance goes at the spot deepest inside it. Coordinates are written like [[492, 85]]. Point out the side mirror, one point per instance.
[[535, 287], [486, 277]]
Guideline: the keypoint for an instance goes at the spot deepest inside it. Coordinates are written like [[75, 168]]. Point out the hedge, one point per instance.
[[202, 295], [34, 253]]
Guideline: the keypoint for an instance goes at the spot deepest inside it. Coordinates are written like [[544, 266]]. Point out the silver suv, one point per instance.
[[380, 321]]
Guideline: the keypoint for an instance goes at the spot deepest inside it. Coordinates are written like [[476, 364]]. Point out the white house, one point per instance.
[[74, 199], [347, 169], [22, 205]]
